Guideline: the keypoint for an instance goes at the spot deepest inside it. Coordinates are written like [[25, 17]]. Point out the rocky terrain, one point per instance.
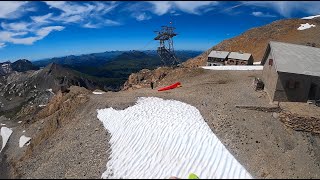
[[34, 88], [20, 65], [5, 68], [68, 141]]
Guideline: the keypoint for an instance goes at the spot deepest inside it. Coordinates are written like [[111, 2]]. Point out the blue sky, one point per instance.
[[36, 30]]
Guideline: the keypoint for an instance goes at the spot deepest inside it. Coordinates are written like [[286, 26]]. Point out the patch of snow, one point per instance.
[[305, 26], [95, 92], [1, 124], [257, 63], [20, 122], [233, 68], [24, 131], [42, 105], [50, 90], [159, 138], [311, 17], [5, 134], [23, 140]]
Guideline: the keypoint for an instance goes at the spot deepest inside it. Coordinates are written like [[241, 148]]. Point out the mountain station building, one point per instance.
[[291, 72], [220, 58], [217, 58]]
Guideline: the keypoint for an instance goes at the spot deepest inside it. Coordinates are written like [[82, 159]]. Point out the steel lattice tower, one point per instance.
[[165, 49]]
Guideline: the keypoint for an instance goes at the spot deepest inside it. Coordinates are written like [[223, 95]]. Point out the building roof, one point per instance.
[[241, 56], [218, 54], [293, 58]]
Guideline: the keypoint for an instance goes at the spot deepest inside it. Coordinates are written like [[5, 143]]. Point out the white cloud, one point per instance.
[[142, 17], [110, 22], [68, 19], [20, 37], [261, 14], [89, 25], [9, 8], [86, 14], [287, 8], [2, 45], [19, 26], [191, 7], [83, 13], [106, 22], [161, 7], [45, 31], [42, 19]]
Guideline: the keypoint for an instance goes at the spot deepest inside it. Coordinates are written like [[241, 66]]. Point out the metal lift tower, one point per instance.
[[166, 50]]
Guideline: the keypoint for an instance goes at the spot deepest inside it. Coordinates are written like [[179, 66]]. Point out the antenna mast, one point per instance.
[[165, 49]]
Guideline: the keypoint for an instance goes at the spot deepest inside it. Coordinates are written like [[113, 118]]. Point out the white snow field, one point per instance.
[[305, 26], [311, 17], [159, 138], [97, 92], [23, 140], [50, 90], [233, 68], [5, 134]]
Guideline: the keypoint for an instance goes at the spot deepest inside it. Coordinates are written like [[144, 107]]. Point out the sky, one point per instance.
[[42, 29]]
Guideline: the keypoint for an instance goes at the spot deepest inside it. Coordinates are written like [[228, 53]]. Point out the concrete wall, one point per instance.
[[236, 62], [270, 77], [215, 61], [297, 94]]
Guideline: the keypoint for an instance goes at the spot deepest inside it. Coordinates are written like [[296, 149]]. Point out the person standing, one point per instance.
[[151, 84]]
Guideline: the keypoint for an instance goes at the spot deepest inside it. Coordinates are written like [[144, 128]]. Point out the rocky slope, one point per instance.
[[35, 88], [255, 40], [21, 65], [5, 68], [68, 141]]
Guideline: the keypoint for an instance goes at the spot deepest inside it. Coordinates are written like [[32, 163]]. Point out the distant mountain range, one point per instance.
[[20, 65], [114, 66], [85, 59], [108, 70], [97, 59]]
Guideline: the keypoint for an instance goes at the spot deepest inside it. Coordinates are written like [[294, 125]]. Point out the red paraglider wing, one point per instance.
[[172, 86]]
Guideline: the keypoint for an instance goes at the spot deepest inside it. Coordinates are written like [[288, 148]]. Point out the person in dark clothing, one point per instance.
[[151, 84]]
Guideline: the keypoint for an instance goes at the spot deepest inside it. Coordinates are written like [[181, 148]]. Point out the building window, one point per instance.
[[291, 84], [270, 62]]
